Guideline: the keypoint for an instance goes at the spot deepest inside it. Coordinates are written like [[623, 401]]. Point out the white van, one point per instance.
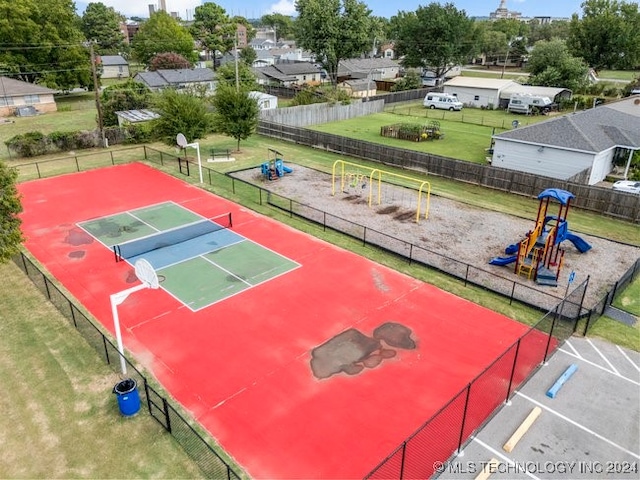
[[443, 101]]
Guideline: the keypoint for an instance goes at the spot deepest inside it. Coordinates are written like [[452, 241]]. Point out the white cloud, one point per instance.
[[140, 8], [285, 7]]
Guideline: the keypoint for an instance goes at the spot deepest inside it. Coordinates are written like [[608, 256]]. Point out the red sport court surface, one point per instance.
[[242, 366]]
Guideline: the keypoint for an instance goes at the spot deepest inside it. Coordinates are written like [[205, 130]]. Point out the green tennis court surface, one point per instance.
[[210, 267]]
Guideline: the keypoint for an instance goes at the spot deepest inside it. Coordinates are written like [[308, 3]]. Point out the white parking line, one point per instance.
[[498, 454], [582, 427], [627, 357], [598, 366], [573, 348], [603, 357]]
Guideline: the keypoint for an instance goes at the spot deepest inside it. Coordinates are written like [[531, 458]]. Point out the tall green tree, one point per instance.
[[162, 33], [282, 24], [10, 207], [546, 31], [123, 96], [226, 75], [552, 65], [181, 112], [436, 37], [42, 43], [248, 55], [101, 25], [333, 30], [607, 35], [213, 29], [236, 113]]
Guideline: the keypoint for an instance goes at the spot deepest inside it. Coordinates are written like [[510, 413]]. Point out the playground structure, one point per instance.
[[539, 256], [360, 177], [274, 168]]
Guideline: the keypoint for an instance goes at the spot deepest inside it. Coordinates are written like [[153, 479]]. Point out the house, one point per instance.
[[270, 75], [376, 68], [114, 66], [304, 72], [581, 146], [388, 51], [262, 44], [359, 88], [16, 94], [178, 79], [265, 101]]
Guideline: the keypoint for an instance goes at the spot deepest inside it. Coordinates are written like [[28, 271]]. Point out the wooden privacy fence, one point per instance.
[[595, 199], [316, 113]]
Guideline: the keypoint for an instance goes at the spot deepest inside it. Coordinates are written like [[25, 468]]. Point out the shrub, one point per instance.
[[29, 144], [63, 140]]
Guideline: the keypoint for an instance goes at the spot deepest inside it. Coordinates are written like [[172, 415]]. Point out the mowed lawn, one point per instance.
[[60, 418], [467, 134]]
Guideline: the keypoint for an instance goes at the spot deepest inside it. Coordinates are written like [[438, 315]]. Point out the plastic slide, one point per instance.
[[579, 242], [286, 169], [503, 260]]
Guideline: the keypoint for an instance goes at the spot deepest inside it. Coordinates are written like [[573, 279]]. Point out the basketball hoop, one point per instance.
[[146, 273], [181, 140]]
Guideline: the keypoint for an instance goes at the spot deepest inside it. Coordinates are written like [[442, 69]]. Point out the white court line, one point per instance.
[[627, 357], [603, 357], [582, 427], [225, 270], [142, 221], [507, 460], [599, 366], [573, 348]]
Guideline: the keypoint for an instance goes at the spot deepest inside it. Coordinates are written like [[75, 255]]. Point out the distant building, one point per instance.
[[503, 12], [180, 79], [16, 95], [113, 66], [241, 35]]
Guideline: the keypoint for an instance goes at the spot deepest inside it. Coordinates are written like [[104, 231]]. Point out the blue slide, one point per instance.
[[503, 260], [286, 169], [579, 242]]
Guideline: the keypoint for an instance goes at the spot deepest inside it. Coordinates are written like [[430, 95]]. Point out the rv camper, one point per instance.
[[530, 104]]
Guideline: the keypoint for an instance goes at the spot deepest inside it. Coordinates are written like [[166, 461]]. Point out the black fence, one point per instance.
[[448, 430], [208, 460]]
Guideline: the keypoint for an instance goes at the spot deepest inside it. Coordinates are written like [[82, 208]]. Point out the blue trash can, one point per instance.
[[128, 398]]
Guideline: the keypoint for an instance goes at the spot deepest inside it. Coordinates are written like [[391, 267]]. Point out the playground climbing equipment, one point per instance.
[[274, 168]]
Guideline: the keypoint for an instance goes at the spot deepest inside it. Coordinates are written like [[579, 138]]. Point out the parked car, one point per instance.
[[443, 101], [629, 186]]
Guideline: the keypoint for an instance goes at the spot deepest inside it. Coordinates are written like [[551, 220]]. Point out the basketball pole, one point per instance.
[[181, 140], [118, 299]]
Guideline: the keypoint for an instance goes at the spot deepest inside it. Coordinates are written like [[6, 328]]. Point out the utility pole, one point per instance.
[[235, 50], [96, 88]]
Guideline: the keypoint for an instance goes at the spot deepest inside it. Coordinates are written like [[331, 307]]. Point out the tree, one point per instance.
[[10, 207], [282, 24], [213, 29], [608, 35], [248, 55], [434, 37], [546, 31], [181, 113], [168, 61], [551, 65], [162, 33], [101, 25], [410, 81], [333, 30], [123, 96], [236, 113], [226, 75], [42, 43]]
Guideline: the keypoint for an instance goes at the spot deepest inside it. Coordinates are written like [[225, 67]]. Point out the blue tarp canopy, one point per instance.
[[558, 194]]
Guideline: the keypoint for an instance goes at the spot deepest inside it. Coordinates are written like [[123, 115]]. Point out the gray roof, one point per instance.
[[10, 87], [136, 116], [364, 65], [111, 60], [166, 78], [360, 85], [272, 72], [594, 130], [297, 68]]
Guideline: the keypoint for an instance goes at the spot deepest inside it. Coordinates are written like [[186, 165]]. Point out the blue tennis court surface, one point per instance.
[[199, 261]]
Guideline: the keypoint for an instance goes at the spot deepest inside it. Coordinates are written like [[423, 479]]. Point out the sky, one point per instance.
[[384, 8]]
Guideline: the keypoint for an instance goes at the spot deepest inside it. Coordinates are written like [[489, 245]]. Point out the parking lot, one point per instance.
[[591, 429]]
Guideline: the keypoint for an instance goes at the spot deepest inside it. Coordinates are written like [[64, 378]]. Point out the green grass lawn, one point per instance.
[[61, 419], [626, 75], [480, 73]]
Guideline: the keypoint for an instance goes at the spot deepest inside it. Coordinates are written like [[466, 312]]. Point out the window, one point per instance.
[[31, 99], [304, 77], [5, 101], [476, 97]]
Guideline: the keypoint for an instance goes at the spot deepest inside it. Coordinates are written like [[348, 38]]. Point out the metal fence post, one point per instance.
[[46, 286], [77, 163], [464, 417], [404, 451], [106, 349], [165, 406], [513, 370], [112, 161], [546, 350]]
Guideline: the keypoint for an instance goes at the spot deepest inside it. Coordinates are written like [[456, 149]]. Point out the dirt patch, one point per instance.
[[453, 229]]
